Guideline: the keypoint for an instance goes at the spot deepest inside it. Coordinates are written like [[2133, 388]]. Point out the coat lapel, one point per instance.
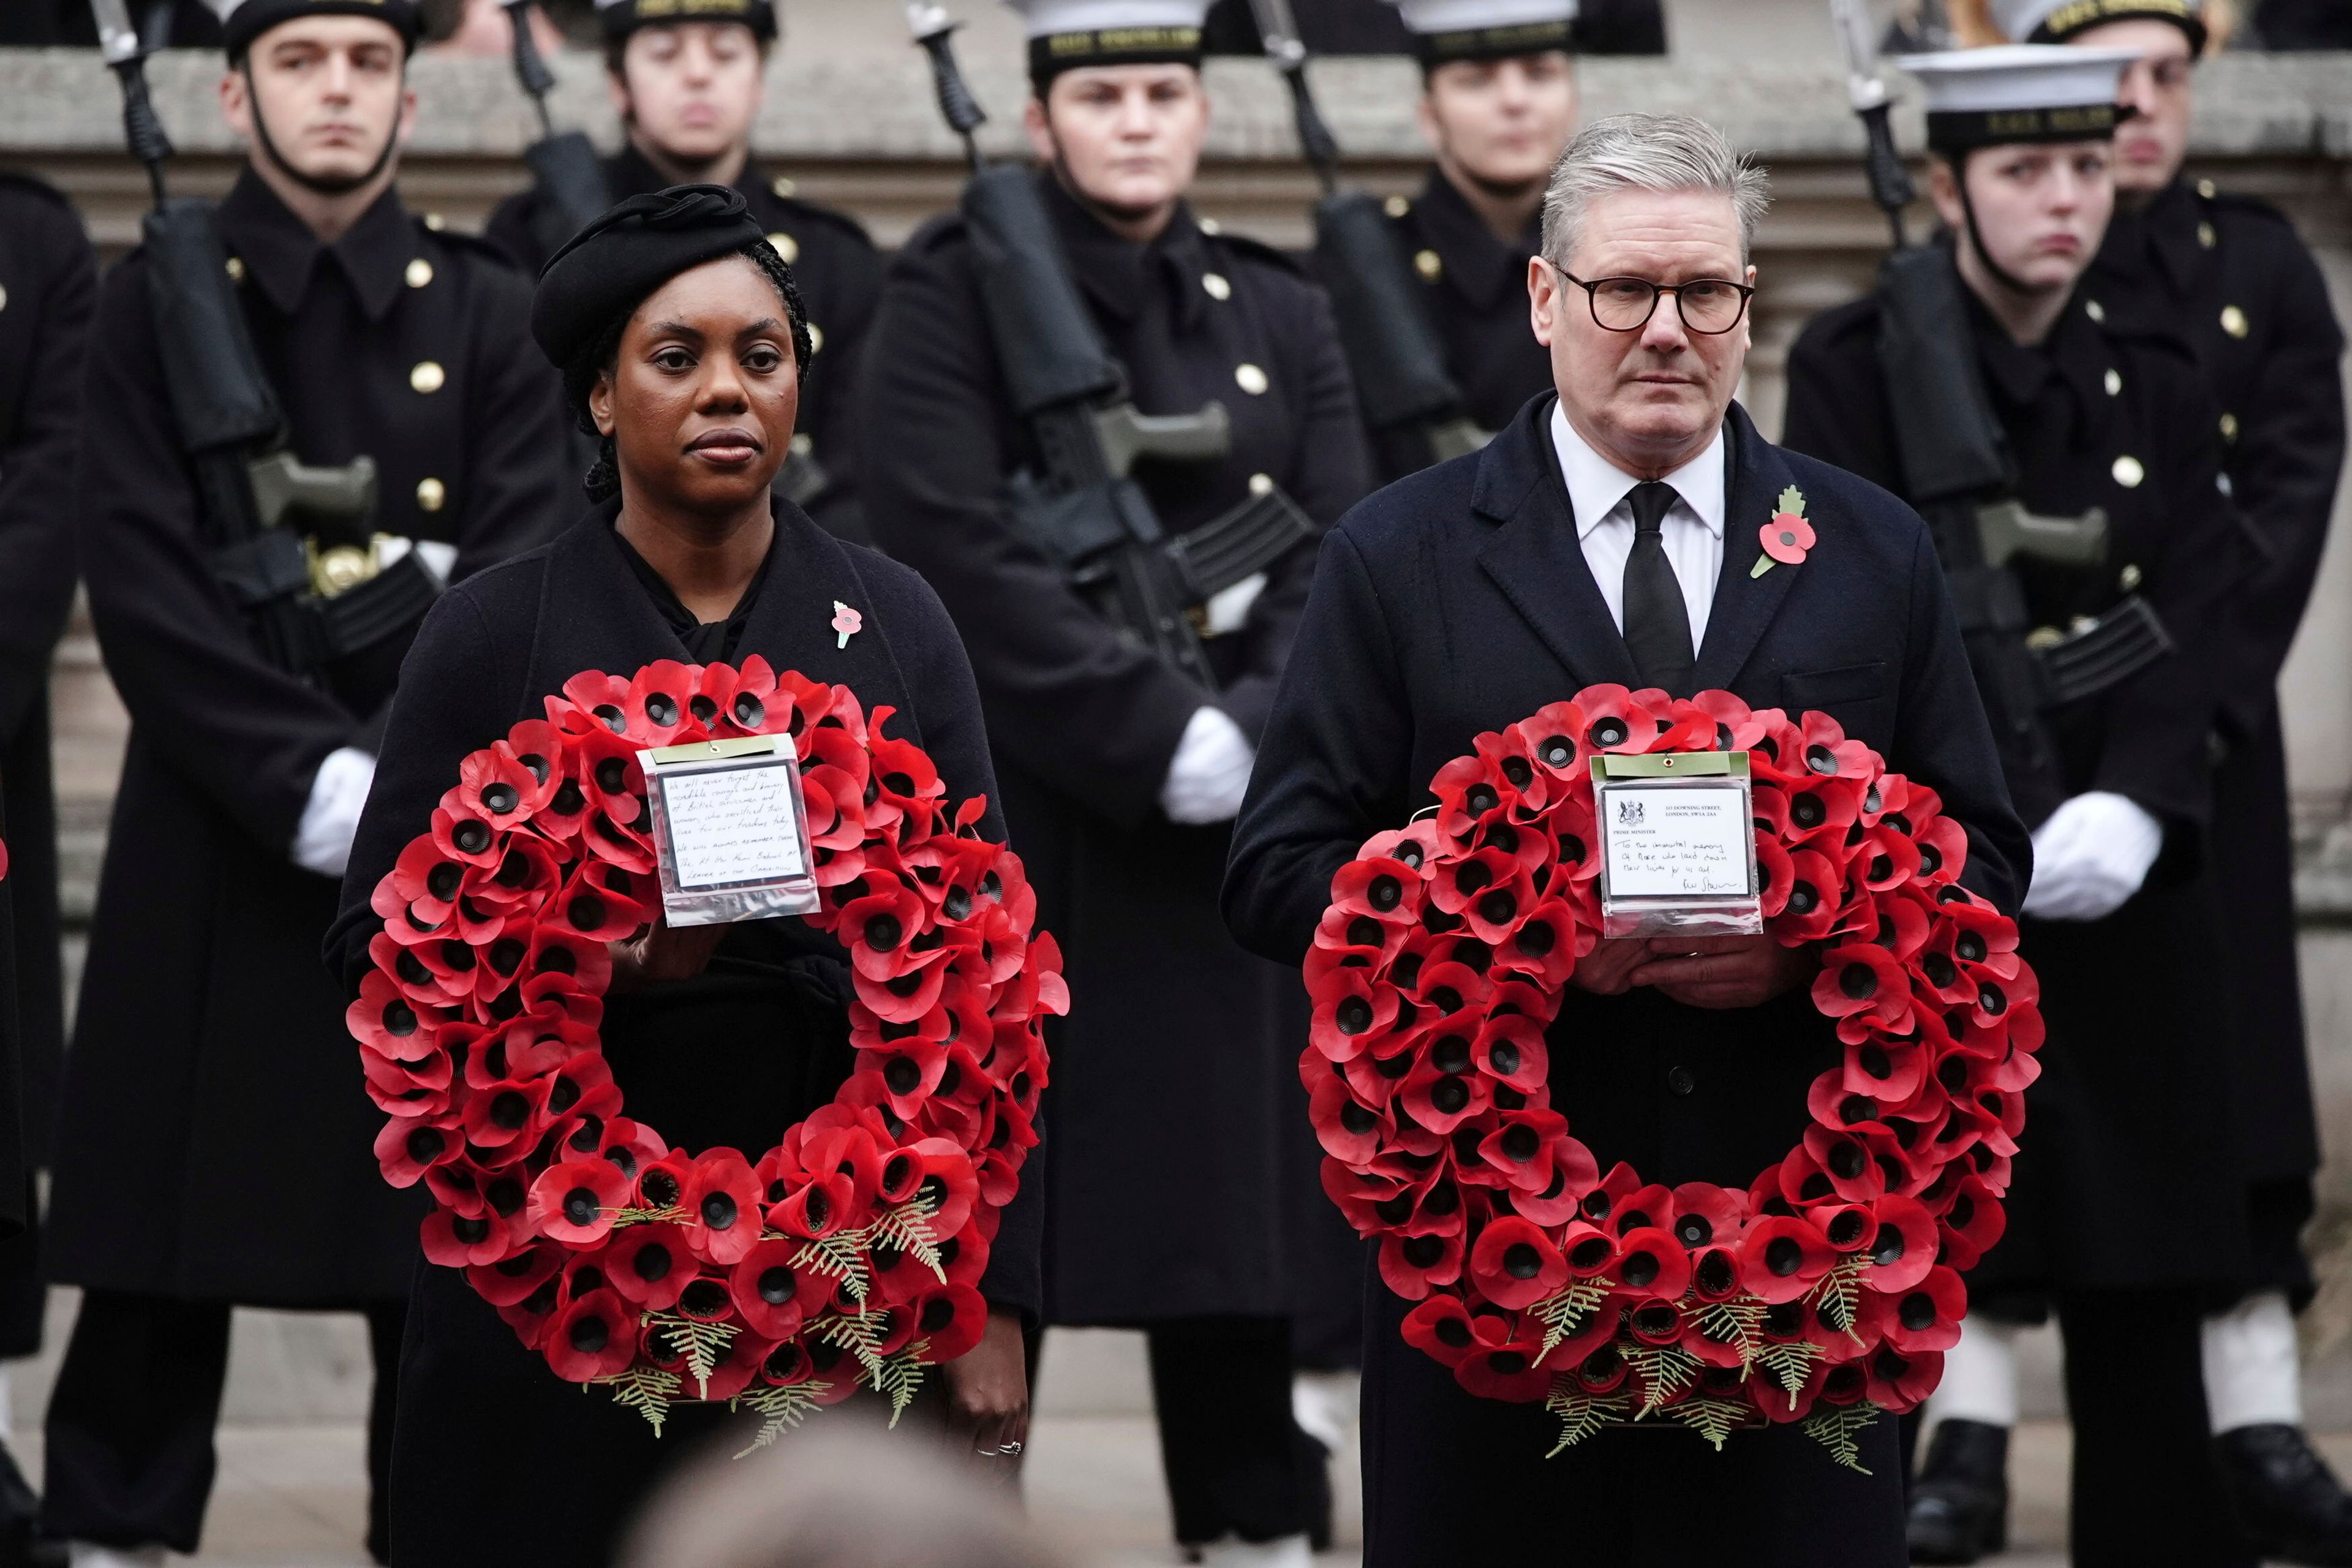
[[1744, 604], [1536, 558]]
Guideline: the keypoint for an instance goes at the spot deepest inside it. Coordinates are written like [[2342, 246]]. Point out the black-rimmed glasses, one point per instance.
[[1709, 306]]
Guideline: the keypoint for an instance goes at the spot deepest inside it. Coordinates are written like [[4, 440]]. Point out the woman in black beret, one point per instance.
[[680, 335]]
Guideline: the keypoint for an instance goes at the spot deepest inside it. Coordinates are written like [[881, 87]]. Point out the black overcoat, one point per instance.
[[1456, 602], [2126, 1179], [48, 289], [839, 273], [497, 1461], [216, 1137], [2229, 274], [1174, 1085]]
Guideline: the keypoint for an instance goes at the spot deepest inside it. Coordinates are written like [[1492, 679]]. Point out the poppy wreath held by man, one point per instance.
[[1824, 1293], [850, 1254]]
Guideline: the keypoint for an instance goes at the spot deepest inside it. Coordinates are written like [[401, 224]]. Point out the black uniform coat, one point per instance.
[[497, 1461], [49, 287], [215, 1137], [2124, 1178], [1477, 292], [840, 277], [1174, 1084], [1456, 602], [2229, 274]]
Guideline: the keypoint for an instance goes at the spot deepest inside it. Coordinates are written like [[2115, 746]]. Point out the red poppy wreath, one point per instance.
[[1828, 1291], [848, 1254]]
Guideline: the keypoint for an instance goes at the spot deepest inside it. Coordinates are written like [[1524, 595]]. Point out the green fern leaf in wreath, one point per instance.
[[1713, 1419], [841, 1257], [1737, 1321], [1663, 1370], [906, 1228], [1790, 1362], [647, 1390], [1581, 1414], [704, 1344], [784, 1408], [1837, 1428], [1838, 1297], [1564, 1314]]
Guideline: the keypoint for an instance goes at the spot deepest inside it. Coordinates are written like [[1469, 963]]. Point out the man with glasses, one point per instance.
[[2124, 1207], [1611, 533]]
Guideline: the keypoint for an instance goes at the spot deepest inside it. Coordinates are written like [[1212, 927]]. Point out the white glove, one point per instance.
[[440, 559], [1228, 612], [1211, 770], [323, 841], [2090, 855]]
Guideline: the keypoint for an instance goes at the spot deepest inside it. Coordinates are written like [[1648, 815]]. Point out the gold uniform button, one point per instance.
[[783, 186], [2129, 471], [2093, 309], [419, 273], [236, 270], [431, 493], [1428, 264], [1250, 379], [2044, 637], [1397, 206], [2206, 236], [786, 247], [4, 298], [436, 222], [2115, 382], [427, 375], [2229, 426], [816, 339], [1215, 285], [1210, 227], [2208, 189], [803, 443], [2128, 578], [1261, 484], [2233, 321]]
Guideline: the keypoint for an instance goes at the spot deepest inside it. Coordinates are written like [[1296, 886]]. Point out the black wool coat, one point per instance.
[[2126, 1177], [497, 1461], [215, 1136], [2229, 274], [49, 289], [839, 273], [1176, 1108], [1458, 602]]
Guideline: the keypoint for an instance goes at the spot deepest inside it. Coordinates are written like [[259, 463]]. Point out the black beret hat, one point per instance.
[[640, 244], [242, 21], [622, 17]]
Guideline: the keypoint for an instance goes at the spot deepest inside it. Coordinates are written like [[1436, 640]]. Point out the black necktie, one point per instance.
[[1657, 623]]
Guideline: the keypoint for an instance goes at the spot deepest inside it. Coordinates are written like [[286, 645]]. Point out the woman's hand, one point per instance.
[[1608, 969], [988, 1391], [665, 953], [1724, 971]]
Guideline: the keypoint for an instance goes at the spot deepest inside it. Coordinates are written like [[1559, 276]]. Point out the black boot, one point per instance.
[[22, 1545], [1959, 1504], [2290, 1503]]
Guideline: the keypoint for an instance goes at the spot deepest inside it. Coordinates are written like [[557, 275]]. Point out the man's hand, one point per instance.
[[665, 953], [1722, 971], [988, 1393], [1608, 969]]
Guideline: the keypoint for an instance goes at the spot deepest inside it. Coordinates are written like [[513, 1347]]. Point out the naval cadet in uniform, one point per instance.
[[1498, 103], [1608, 535], [687, 81], [1175, 1119], [214, 1142], [2123, 1208]]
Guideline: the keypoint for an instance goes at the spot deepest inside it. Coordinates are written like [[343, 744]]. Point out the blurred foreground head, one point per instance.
[[849, 1499]]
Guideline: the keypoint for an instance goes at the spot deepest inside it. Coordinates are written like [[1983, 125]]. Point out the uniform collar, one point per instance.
[[1595, 485], [631, 174], [1119, 274], [2076, 355], [2165, 230], [1481, 267], [281, 254]]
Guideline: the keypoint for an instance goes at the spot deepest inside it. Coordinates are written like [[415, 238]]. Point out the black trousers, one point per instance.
[[23, 1292], [1235, 1461], [130, 1458], [2147, 1488]]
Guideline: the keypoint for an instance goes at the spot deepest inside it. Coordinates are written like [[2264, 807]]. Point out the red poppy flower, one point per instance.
[[1971, 1222], [1510, 1372], [1589, 1250], [1348, 1007], [1861, 979], [1705, 1215], [1515, 1265], [1903, 1247], [1926, 1317], [1616, 719], [386, 1022], [1651, 1265], [649, 1265], [1846, 1227], [814, 1210], [1347, 1129], [1814, 900], [510, 1279], [599, 903], [1553, 739], [1900, 1382], [1413, 1266], [1544, 944], [456, 1240], [1782, 1257], [574, 1202], [412, 1092], [949, 1320], [772, 1294], [1777, 748], [1471, 791], [592, 1337], [1715, 1272], [1604, 1371], [409, 1146], [1829, 754], [1655, 1322], [1441, 1328], [1845, 1159]]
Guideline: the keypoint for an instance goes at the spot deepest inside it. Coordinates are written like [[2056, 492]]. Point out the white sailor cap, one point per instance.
[[1488, 29], [2019, 93], [2056, 21], [622, 17], [1067, 34]]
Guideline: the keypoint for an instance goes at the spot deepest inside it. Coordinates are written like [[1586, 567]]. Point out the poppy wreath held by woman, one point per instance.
[[1824, 1293], [850, 1254]]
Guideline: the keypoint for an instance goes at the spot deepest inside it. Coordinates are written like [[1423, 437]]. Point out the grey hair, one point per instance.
[[1648, 152]]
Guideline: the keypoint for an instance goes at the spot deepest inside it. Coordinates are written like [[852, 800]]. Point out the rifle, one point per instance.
[[572, 189], [1411, 405], [311, 600], [1079, 504], [1962, 478]]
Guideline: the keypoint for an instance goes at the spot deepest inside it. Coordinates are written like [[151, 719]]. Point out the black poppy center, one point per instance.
[[442, 880], [1694, 1230], [499, 798], [1858, 981], [1522, 1261], [471, 836], [1639, 1268], [883, 933], [1820, 758], [580, 1205], [1605, 732], [719, 1210], [661, 707], [589, 1334], [1481, 799], [1783, 1257], [1917, 1311], [1807, 811]]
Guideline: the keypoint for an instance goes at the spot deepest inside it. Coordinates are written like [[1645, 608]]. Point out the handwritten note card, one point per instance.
[[1688, 842], [734, 824]]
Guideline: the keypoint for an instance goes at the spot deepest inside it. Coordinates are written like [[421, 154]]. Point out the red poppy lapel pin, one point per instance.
[[1788, 536], [849, 623]]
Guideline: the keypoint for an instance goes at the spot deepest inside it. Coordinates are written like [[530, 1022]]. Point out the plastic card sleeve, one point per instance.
[[731, 833], [1677, 845]]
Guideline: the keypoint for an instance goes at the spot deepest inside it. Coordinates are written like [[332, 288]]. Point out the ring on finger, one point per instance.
[[1009, 1449]]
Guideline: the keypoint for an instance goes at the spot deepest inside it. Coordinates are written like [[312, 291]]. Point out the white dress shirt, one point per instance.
[[1692, 532]]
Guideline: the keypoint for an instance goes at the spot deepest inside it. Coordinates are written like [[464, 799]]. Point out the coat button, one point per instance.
[[431, 493], [436, 222], [2128, 579], [2093, 309], [816, 339], [1680, 1080], [2128, 471], [2115, 381], [1217, 285], [1397, 206], [786, 247], [1428, 264], [1261, 484], [783, 186], [2208, 189], [1250, 379], [419, 273], [236, 270], [2206, 236], [803, 443], [1209, 226], [4, 297], [2233, 321], [427, 375], [2229, 426]]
